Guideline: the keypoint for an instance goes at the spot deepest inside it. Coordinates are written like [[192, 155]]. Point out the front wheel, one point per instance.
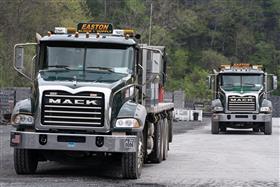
[[132, 162], [25, 161], [268, 128], [215, 127]]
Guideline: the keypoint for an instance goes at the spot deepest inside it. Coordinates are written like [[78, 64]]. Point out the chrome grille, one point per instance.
[[239, 103], [61, 108]]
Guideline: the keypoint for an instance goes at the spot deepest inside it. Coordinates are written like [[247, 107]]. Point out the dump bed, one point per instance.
[[160, 107]]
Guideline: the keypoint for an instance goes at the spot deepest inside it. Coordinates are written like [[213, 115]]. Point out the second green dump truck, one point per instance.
[[240, 98]]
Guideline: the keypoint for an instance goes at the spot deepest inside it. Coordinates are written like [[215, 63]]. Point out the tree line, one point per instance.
[[200, 35]]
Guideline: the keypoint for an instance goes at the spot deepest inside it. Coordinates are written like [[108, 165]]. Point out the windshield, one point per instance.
[[107, 64], [238, 82]]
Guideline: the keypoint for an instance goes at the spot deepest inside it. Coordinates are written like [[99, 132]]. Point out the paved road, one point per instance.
[[196, 158]]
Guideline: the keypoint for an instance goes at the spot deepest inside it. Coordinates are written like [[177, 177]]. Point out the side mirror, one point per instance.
[[22, 54], [19, 58], [274, 82]]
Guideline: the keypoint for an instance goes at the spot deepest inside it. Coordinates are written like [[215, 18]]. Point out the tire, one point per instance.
[[215, 127], [132, 163], [25, 161], [165, 139], [268, 128], [156, 154], [170, 130]]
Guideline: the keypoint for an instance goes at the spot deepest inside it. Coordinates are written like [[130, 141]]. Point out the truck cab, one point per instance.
[[240, 98]]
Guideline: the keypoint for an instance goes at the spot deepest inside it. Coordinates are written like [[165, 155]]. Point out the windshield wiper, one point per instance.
[[100, 68], [60, 66], [249, 84], [231, 85]]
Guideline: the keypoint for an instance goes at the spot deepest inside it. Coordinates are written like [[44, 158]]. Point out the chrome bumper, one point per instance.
[[73, 142], [220, 117]]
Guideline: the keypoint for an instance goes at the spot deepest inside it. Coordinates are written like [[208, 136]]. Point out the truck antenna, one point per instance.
[[150, 31]]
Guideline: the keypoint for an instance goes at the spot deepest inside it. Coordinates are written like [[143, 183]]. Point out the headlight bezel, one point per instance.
[[218, 109], [127, 123], [22, 119], [266, 109]]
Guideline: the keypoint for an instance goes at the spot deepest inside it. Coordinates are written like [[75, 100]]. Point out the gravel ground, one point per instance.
[[196, 158]]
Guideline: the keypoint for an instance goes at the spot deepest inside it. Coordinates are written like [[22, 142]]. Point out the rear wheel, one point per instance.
[[165, 139], [156, 154], [25, 161], [132, 162], [215, 127], [268, 128], [170, 128]]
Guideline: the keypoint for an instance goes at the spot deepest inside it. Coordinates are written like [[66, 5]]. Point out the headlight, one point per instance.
[[23, 119], [127, 123], [218, 109], [265, 109]]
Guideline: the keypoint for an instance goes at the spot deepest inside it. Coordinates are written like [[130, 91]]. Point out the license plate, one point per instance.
[[129, 143]]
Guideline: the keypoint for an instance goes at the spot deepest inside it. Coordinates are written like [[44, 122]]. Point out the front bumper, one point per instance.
[[221, 117], [73, 142]]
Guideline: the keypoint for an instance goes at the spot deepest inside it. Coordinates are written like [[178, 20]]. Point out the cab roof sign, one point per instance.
[[95, 28]]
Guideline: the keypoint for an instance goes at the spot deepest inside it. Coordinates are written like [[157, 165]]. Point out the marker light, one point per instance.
[[60, 30], [225, 66], [129, 32], [126, 36], [71, 30], [123, 32], [118, 32], [259, 67]]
